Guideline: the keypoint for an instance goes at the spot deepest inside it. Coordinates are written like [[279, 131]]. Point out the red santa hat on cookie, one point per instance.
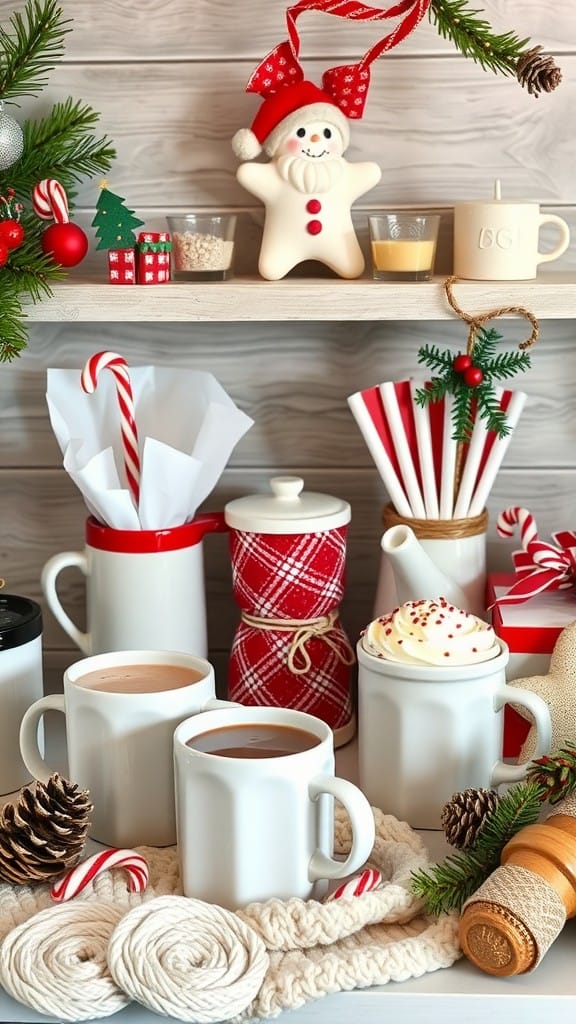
[[285, 110]]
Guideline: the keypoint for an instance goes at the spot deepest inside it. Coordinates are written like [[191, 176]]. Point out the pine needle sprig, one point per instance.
[[31, 49], [473, 36], [480, 399], [13, 334], [448, 885]]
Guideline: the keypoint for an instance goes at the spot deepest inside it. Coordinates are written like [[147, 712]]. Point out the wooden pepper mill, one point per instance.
[[511, 921]]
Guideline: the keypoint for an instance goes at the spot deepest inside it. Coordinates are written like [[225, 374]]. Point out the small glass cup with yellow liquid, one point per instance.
[[403, 245]]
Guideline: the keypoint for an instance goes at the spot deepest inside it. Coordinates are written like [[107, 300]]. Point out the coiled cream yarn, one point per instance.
[[196, 962]]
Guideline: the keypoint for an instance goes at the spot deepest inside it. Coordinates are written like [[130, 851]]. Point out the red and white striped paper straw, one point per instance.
[[75, 880], [119, 368]]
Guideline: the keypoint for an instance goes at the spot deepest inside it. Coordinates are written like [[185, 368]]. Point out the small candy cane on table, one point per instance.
[[365, 882], [75, 880], [119, 368]]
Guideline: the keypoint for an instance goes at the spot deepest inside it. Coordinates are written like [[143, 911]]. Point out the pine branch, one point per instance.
[[434, 358], [61, 146], [435, 392], [32, 49], [485, 344], [13, 334], [473, 36], [462, 414], [508, 364], [489, 409], [447, 886]]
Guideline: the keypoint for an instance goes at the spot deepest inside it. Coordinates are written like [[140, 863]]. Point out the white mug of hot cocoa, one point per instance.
[[121, 711], [255, 790]]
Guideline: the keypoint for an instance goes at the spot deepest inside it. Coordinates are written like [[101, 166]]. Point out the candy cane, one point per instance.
[[119, 367], [514, 515], [367, 881], [79, 877], [50, 201]]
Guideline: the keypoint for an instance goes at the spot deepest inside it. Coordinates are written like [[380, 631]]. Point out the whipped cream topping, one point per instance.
[[431, 632]]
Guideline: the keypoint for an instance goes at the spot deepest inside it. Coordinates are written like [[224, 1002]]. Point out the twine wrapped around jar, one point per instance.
[[437, 529]]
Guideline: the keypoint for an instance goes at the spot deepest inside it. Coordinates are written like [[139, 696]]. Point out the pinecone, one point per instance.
[[464, 815], [538, 72], [555, 774], [43, 833]]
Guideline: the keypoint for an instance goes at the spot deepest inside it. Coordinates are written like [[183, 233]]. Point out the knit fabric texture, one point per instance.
[[193, 961]]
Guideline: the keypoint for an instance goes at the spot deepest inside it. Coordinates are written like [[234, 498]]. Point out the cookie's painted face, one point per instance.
[[317, 140]]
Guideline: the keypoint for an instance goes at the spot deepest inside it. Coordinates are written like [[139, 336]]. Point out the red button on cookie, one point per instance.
[[313, 206], [314, 227]]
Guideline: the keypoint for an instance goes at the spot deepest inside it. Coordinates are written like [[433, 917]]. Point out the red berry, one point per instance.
[[11, 233], [461, 363], [473, 376], [3, 253]]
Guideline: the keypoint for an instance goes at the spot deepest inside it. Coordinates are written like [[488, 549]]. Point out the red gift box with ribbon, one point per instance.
[[531, 606], [153, 253]]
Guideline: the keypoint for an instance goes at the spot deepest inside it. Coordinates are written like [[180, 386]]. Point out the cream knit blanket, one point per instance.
[[192, 961]]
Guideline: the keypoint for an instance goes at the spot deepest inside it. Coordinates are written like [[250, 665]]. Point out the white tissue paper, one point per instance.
[[187, 429]]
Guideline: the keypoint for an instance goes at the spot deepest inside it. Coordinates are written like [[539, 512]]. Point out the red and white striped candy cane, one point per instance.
[[79, 877], [513, 516], [119, 367], [367, 881], [50, 201]]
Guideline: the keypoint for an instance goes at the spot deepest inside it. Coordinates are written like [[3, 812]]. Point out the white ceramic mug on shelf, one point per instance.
[[498, 240], [144, 588], [427, 732], [254, 825], [121, 711]]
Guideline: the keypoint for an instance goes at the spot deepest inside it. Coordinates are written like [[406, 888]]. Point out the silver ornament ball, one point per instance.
[[11, 141]]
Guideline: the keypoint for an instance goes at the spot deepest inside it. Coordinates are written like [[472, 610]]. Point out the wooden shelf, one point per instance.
[[551, 296]]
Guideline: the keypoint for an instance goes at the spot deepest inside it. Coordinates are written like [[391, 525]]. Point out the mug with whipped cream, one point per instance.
[[431, 696]]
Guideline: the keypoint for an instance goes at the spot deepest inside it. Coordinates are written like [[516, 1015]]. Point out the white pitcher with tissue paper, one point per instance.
[[144, 588], [145, 448], [432, 557]]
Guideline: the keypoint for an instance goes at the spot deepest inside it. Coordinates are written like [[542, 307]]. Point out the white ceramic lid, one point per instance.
[[289, 509]]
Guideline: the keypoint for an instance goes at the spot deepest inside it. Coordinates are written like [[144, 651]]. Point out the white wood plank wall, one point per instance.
[[169, 82]]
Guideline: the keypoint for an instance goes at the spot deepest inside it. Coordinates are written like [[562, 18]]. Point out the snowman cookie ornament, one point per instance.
[[308, 187]]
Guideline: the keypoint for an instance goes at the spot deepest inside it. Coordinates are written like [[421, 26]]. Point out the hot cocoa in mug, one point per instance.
[[121, 710], [253, 739]]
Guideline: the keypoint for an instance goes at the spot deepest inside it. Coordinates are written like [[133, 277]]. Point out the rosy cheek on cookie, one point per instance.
[[293, 145]]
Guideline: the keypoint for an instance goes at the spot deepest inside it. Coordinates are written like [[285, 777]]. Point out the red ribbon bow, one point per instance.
[[539, 566], [346, 84]]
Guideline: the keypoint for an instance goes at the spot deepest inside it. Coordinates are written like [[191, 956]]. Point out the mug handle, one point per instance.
[[29, 749], [539, 709], [545, 257], [362, 822], [50, 573]]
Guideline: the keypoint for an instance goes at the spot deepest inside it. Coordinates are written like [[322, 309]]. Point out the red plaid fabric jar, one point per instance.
[[290, 649]]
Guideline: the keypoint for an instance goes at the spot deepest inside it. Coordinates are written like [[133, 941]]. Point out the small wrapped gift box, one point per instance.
[[153, 251], [530, 629], [121, 266]]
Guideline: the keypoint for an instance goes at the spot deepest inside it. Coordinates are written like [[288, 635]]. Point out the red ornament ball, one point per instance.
[[461, 363], [66, 243], [473, 376], [3, 253], [11, 233]]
